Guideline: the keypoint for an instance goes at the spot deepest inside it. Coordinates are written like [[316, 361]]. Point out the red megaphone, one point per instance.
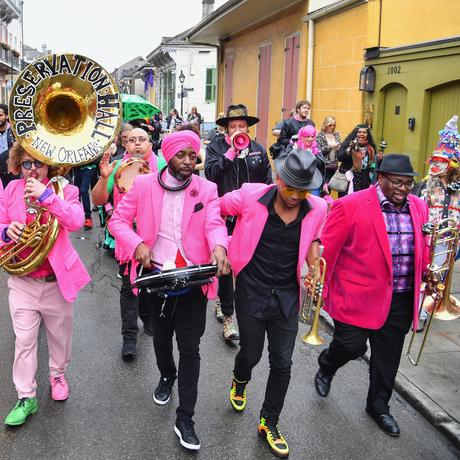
[[241, 141]]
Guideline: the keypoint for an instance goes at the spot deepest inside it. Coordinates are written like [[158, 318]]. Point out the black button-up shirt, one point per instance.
[[268, 284]]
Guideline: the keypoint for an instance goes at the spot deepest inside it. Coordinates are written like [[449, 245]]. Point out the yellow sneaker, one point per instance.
[[274, 438], [238, 395]]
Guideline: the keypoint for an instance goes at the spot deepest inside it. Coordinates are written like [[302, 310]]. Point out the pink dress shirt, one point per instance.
[[169, 239]]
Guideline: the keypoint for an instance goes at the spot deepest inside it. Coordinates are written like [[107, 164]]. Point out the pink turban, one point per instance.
[[175, 142]]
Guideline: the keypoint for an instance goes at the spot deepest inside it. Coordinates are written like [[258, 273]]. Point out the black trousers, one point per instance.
[[227, 294], [386, 343], [184, 315], [82, 180], [226, 289], [131, 308], [281, 333]]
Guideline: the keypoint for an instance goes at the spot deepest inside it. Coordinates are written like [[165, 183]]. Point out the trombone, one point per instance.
[[439, 303], [314, 297]]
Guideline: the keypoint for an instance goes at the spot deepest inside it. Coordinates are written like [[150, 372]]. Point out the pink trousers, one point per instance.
[[32, 301]]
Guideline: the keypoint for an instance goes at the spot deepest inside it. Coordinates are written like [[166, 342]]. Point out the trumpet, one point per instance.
[[314, 297]]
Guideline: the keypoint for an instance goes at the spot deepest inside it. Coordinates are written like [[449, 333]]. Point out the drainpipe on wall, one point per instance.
[[310, 51]]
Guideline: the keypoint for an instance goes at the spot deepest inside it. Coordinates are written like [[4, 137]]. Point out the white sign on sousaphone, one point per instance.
[[65, 109]]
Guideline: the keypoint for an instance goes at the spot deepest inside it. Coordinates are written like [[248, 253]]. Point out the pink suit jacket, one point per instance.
[[252, 217], [70, 272], [202, 224], [358, 285]]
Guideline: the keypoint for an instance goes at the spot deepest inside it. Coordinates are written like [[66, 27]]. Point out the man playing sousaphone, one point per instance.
[[47, 291], [55, 128], [138, 145], [178, 224]]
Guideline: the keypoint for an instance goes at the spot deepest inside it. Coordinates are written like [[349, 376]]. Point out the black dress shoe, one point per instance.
[[322, 383], [386, 423], [186, 432], [128, 352], [162, 393]]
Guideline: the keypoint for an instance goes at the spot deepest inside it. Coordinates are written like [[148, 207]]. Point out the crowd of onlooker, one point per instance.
[[346, 166]]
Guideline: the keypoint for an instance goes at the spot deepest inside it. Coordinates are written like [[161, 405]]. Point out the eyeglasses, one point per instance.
[[141, 140], [27, 164], [399, 183], [289, 191]]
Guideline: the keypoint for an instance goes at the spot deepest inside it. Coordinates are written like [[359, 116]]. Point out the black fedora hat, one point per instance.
[[298, 170], [237, 112], [395, 163]]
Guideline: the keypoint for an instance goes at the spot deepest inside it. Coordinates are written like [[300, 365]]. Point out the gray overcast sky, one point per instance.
[[110, 32]]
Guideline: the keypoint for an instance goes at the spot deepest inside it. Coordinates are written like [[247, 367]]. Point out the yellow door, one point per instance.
[[394, 118], [445, 103]]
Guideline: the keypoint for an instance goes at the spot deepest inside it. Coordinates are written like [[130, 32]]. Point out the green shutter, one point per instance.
[[210, 94]]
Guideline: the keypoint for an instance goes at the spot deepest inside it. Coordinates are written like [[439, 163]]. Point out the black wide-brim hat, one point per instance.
[[395, 163], [237, 112], [298, 169]]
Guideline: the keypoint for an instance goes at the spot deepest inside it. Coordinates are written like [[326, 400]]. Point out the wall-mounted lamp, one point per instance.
[[367, 79], [411, 123]]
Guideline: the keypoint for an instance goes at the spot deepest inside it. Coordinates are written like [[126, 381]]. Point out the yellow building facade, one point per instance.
[[333, 36], [245, 49]]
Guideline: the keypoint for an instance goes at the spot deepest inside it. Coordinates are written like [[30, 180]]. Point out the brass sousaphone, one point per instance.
[[65, 110]]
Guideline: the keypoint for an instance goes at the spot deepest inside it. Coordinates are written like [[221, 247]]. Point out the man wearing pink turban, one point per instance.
[[179, 224]]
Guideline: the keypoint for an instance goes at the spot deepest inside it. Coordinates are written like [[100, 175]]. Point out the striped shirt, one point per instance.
[[400, 233], [169, 240]]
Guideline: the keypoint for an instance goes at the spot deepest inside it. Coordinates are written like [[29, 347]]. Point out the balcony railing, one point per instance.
[[9, 61], [9, 10]]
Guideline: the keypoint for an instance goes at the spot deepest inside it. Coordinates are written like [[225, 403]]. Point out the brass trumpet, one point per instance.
[[314, 297], [439, 304]]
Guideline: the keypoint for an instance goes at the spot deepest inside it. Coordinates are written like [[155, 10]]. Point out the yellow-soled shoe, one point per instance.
[[238, 395], [274, 438]]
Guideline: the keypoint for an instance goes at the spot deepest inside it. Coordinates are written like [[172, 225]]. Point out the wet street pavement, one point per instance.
[[110, 413]]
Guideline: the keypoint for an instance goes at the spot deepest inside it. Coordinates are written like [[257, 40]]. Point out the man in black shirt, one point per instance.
[[276, 232], [230, 168], [292, 125]]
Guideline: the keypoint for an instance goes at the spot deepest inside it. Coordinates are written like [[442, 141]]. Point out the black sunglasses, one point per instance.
[[27, 164]]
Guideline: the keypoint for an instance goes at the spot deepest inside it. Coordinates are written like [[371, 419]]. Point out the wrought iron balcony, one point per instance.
[[9, 10], [9, 62]]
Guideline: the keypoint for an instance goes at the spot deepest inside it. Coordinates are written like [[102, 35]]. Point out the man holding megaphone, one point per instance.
[[231, 161]]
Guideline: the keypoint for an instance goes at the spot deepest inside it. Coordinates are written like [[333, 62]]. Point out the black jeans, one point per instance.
[[349, 343], [226, 290], [281, 334], [226, 294], [82, 180], [184, 315], [130, 308]]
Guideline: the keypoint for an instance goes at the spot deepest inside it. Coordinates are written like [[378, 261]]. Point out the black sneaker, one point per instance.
[[186, 432], [128, 352], [162, 393]]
